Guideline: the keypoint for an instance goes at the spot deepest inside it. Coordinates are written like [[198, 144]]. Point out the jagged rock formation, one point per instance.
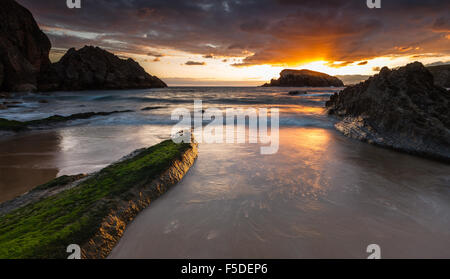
[[25, 64], [24, 48], [304, 78], [402, 109], [441, 75], [95, 68]]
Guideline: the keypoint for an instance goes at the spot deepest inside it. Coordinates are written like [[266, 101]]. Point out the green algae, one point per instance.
[[44, 229]]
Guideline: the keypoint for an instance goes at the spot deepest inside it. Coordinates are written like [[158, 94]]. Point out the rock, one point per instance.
[[92, 68], [17, 126], [12, 103], [295, 93], [441, 75], [97, 208], [150, 108], [401, 109], [304, 78], [1, 75], [5, 95], [25, 64], [24, 48]]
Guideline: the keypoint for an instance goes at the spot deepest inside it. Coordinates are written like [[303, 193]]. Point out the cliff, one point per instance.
[[304, 78], [401, 109], [24, 48], [25, 64]]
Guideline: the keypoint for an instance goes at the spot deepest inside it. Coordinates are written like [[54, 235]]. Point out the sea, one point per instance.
[[321, 195]]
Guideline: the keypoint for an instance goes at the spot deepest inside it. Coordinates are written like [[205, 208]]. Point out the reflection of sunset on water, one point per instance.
[[236, 202]]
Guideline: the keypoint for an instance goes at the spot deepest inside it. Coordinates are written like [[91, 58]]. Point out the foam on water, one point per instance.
[[67, 103]]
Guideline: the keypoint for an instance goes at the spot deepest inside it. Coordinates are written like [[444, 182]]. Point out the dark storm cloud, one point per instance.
[[265, 31], [442, 24]]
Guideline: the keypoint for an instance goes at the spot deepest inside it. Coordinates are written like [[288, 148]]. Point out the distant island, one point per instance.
[[25, 65], [304, 78]]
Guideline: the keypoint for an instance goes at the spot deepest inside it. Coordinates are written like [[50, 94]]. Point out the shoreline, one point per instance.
[[95, 208], [356, 128], [113, 226]]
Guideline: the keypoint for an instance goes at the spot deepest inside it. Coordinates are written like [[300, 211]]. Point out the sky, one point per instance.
[[249, 42]]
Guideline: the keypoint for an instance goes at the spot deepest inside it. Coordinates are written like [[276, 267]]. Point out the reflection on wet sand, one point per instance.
[[312, 199], [31, 159], [24, 166], [321, 195]]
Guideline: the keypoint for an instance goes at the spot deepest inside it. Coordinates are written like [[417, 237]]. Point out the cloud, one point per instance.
[[363, 63], [255, 25], [155, 54], [339, 64], [439, 63], [277, 32], [442, 24], [194, 63], [208, 56]]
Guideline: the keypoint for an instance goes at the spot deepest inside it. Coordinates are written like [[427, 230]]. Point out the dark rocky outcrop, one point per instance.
[[402, 109], [17, 126], [441, 75], [304, 78], [24, 48], [91, 68], [297, 92], [25, 64], [151, 108]]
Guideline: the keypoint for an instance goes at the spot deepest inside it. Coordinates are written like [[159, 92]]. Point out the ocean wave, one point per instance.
[[137, 119]]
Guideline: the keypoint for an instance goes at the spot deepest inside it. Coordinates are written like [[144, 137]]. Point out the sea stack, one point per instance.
[[304, 78], [24, 48], [25, 64], [401, 109], [92, 68]]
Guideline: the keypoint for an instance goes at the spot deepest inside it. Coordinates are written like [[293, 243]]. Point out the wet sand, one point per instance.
[[26, 161], [321, 196], [34, 158]]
